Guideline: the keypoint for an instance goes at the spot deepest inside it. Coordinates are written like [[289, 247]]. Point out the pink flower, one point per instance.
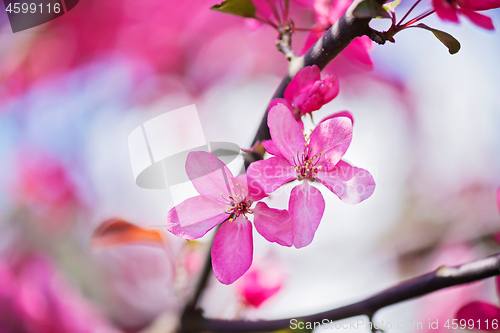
[[225, 200], [307, 92], [482, 312], [260, 283], [35, 297], [448, 10], [317, 158]]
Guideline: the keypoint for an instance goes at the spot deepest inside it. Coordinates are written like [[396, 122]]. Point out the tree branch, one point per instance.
[[441, 278], [336, 39]]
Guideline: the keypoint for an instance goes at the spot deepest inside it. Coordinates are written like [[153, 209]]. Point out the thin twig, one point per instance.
[[441, 278]]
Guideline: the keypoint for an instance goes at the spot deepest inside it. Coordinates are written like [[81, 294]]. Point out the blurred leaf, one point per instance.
[[448, 40], [243, 8], [391, 5], [369, 9], [119, 232]]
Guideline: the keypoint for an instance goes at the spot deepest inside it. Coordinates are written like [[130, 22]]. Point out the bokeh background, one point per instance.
[[72, 90]]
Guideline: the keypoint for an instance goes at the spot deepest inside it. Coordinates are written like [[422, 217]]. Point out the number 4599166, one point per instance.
[[471, 324], [32, 8]]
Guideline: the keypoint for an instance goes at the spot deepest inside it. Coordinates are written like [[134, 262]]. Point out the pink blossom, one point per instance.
[[327, 12], [307, 92], [226, 200], [498, 199], [448, 10], [260, 283], [34, 297], [313, 158], [482, 312]]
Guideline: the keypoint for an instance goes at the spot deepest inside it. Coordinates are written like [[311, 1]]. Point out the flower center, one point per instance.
[[239, 208], [237, 204], [306, 164]]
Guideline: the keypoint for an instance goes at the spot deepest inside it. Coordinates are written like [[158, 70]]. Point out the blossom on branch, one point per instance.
[[225, 200], [448, 10], [307, 92], [309, 159]]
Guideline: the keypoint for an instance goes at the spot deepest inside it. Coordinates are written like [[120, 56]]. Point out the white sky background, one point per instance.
[[458, 118]]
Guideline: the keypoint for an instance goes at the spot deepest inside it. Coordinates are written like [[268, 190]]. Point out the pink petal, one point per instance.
[[357, 51], [331, 138], [498, 199], [497, 284], [243, 190], [445, 10], [306, 207], [319, 94], [340, 114], [286, 132], [337, 9], [295, 113], [271, 148], [352, 185], [268, 175], [478, 19], [232, 250], [209, 175], [479, 311], [479, 4], [263, 7], [296, 92], [194, 217], [273, 224], [254, 289]]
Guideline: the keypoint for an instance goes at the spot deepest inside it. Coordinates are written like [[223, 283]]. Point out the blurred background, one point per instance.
[[72, 90]]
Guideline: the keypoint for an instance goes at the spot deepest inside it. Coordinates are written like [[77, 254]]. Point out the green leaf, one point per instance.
[[369, 9], [390, 6], [243, 8], [448, 40]]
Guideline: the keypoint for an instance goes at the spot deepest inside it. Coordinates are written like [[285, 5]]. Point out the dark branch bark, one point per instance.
[[443, 277], [336, 39]]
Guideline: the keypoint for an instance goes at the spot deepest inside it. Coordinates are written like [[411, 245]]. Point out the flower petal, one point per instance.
[[306, 207], [296, 92], [295, 113], [268, 175], [209, 175], [357, 51], [194, 217], [285, 131], [480, 20], [273, 224], [479, 4], [479, 311], [347, 114], [445, 10], [331, 138], [498, 199], [271, 148], [352, 185], [232, 250]]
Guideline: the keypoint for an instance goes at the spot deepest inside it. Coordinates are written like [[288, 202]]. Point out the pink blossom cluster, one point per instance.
[[228, 201]]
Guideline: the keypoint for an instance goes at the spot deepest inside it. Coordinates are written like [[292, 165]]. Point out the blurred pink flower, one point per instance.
[[225, 200], [448, 10], [317, 158], [44, 184], [260, 283], [483, 312], [307, 92], [327, 12], [35, 298]]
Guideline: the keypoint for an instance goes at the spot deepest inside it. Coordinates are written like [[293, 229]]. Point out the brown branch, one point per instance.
[[336, 39], [443, 277]]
